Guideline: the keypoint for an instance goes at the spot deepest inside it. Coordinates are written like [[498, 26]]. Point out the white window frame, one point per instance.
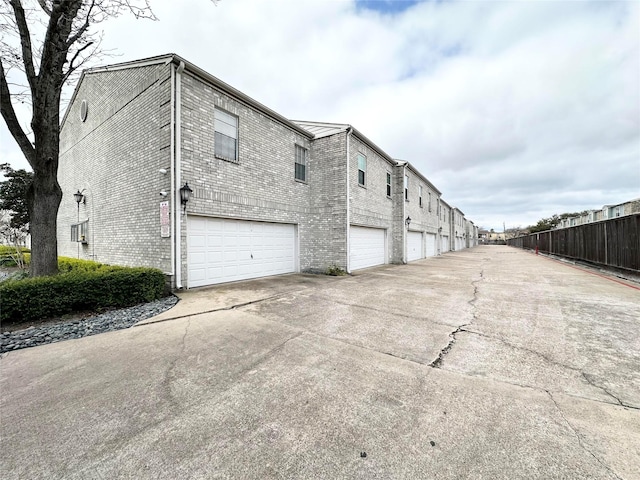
[[420, 195], [80, 232], [226, 126], [388, 187], [302, 154], [406, 188], [362, 171]]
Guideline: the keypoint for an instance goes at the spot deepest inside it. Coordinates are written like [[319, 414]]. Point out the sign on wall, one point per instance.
[[165, 223]]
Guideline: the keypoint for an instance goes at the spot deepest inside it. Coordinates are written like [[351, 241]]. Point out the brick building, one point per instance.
[[268, 195]]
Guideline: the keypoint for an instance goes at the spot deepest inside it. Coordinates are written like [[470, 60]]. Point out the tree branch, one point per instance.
[[44, 7], [25, 42], [9, 115], [71, 68], [83, 28]]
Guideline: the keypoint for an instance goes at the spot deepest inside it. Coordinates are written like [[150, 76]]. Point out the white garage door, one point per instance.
[[445, 243], [414, 246], [366, 247], [221, 250], [431, 245]]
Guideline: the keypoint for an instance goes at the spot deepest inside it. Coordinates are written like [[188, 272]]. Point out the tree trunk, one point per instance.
[[44, 199], [45, 194]]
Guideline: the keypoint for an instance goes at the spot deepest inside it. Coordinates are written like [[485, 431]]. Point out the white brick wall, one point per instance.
[[115, 156], [261, 185]]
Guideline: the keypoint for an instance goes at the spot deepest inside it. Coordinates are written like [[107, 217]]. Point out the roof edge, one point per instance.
[[198, 72]]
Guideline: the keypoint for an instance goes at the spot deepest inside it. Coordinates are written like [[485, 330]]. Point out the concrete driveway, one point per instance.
[[487, 363]]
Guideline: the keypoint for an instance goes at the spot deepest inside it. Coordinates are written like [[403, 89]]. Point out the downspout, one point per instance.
[[404, 212], [176, 190], [172, 169], [439, 227], [348, 230]]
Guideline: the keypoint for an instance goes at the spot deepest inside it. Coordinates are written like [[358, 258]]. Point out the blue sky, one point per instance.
[[386, 6], [515, 110]]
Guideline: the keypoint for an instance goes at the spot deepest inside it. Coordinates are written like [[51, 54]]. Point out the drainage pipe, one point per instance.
[[173, 170], [176, 190], [348, 189]]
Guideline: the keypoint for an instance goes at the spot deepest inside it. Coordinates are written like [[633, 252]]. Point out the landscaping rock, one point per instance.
[[106, 322]]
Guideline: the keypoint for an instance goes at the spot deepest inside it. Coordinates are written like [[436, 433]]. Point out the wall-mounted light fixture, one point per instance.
[[185, 195], [408, 221], [79, 197]]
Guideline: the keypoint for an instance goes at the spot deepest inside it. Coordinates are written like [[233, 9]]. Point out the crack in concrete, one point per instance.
[[271, 353], [440, 358], [553, 362], [384, 353], [213, 310], [387, 312], [169, 373], [437, 363], [528, 350], [618, 401], [579, 437]]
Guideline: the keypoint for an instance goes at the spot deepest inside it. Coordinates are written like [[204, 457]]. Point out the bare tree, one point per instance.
[[47, 41]]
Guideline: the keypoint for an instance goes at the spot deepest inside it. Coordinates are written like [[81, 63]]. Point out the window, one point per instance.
[[301, 163], [429, 201], [226, 139], [362, 169], [79, 232], [420, 196], [388, 184], [406, 187]]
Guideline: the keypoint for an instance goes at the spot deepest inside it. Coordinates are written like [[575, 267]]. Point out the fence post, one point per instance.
[[606, 253]]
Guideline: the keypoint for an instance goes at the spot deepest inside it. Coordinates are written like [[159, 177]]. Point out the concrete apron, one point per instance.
[[486, 363]]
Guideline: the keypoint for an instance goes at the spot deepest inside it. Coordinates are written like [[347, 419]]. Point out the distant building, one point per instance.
[[605, 213]]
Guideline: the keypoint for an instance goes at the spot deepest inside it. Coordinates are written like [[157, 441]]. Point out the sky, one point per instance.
[[514, 110]]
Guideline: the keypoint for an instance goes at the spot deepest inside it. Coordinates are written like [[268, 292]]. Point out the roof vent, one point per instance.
[[84, 110]]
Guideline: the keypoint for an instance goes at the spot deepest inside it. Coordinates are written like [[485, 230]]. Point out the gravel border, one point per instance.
[[105, 322]]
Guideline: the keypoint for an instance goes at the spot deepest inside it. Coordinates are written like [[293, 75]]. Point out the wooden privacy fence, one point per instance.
[[612, 243]]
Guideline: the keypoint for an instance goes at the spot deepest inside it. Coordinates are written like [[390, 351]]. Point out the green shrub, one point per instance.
[[106, 287], [11, 256], [67, 264], [335, 271], [6, 249]]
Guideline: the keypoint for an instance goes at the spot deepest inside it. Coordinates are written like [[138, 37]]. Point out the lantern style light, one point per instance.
[[78, 196], [185, 195]]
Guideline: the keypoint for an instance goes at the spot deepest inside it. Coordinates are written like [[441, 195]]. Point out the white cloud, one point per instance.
[[515, 110]]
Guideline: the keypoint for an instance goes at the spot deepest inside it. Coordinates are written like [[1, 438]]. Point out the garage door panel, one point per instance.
[[445, 243], [431, 245], [366, 247], [238, 250], [414, 246]]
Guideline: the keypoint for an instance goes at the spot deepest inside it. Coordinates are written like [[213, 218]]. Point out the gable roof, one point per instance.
[[198, 72], [322, 129], [419, 175]]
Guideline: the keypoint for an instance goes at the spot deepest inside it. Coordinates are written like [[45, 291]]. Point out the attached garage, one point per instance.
[[366, 247], [431, 245], [222, 250], [445, 243], [414, 246]]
